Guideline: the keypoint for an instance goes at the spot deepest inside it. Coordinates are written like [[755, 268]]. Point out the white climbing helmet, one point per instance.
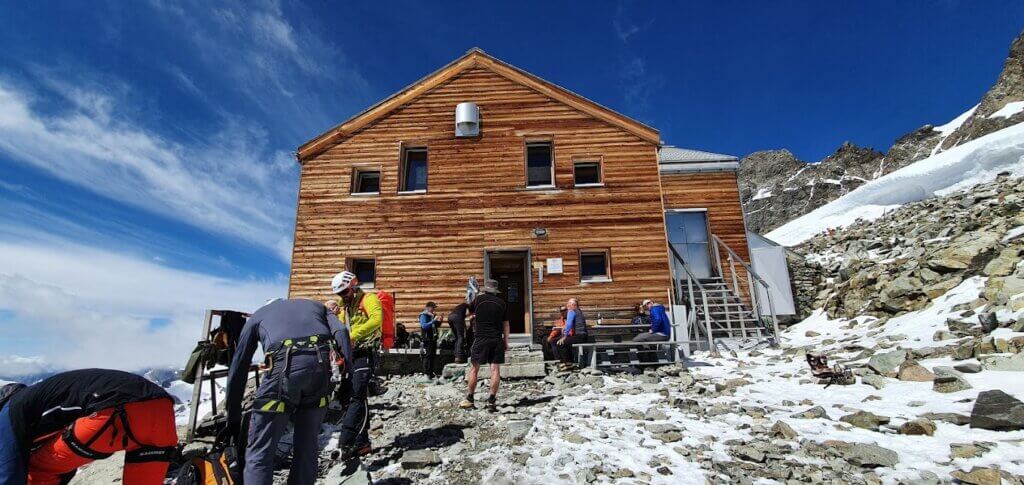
[[342, 281]]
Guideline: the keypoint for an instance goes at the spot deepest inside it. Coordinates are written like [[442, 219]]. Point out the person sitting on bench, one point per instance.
[[574, 332], [640, 315], [660, 331], [556, 331]]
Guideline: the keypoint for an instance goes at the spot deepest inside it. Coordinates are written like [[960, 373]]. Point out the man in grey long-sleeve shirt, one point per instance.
[[296, 335]]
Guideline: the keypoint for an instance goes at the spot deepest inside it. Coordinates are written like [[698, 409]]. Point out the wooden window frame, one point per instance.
[[526, 163], [350, 265], [402, 163], [360, 169], [598, 160], [607, 278]]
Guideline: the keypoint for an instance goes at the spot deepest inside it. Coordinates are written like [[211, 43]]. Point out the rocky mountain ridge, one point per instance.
[[776, 187]]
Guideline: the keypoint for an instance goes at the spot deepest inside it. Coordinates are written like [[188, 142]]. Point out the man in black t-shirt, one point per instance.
[[490, 341]]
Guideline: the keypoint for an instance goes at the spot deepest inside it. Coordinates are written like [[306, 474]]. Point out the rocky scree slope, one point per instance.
[[903, 260], [776, 187]]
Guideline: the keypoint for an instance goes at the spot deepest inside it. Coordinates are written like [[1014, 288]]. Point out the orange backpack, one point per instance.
[[387, 323]]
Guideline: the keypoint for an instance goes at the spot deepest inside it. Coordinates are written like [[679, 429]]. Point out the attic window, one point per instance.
[[365, 181], [414, 170], [586, 173], [539, 164]]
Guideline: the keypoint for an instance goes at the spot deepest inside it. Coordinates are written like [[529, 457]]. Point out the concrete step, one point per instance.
[[532, 369]]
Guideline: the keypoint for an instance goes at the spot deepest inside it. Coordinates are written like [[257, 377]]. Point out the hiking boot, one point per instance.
[[492, 404], [565, 367], [355, 451], [467, 403]]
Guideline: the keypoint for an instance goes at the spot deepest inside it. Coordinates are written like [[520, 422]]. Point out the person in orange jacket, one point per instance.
[[50, 429]]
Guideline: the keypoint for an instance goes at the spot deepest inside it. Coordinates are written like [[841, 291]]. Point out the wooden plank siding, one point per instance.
[[719, 193], [427, 245]]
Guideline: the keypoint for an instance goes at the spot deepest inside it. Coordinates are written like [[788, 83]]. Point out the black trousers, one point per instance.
[[429, 351], [565, 350], [459, 330], [355, 429]]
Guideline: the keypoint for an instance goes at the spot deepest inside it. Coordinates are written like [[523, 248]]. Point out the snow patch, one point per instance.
[[961, 167], [1009, 110], [762, 194], [948, 128], [1013, 234]]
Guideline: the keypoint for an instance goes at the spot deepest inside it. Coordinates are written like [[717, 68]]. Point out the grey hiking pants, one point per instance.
[[649, 356], [305, 408]]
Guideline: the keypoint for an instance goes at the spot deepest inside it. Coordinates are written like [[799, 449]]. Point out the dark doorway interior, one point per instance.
[[509, 268]]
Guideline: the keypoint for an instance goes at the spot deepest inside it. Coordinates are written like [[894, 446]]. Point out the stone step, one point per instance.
[[519, 370]]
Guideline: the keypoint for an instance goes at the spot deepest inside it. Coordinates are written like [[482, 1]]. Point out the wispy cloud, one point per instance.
[[92, 307], [638, 82], [224, 186], [287, 71], [626, 27]]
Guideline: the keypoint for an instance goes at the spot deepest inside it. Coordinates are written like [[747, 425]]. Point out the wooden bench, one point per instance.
[[598, 352]]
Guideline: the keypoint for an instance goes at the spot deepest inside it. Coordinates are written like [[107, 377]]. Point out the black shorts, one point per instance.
[[487, 350]]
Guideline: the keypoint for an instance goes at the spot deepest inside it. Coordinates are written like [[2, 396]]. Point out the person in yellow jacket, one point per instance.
[[365, 315]]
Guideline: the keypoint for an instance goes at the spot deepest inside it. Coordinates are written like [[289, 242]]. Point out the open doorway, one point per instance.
[[510, 268]]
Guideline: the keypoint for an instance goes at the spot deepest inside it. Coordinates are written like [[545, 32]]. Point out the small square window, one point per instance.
[[594, 265], [365, 181], [414, 170], [365, 269], [586, 173], [539, 166]]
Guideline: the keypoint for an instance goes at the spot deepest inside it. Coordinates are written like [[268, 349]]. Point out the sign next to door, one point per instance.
[[554, 265]]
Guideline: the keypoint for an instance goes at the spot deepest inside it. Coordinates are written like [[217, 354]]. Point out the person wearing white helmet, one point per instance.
[[365, 315]]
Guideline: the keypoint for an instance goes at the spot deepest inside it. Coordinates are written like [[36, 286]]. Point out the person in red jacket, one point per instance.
[[50, 429]]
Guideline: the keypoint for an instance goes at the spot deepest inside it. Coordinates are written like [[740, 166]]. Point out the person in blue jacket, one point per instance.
[[429, 322], [660, 331], [574, 332]]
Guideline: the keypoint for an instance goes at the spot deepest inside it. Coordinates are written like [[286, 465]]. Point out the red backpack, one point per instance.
[[387, 320]]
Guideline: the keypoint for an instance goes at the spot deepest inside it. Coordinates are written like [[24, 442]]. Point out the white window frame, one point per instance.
[[599, 161], [607, 277], [358, 170]]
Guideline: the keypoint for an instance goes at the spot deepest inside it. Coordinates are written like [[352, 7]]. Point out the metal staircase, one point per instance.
[[716, 308]]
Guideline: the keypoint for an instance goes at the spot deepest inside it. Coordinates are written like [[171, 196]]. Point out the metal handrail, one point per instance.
[[691, 279], [753, 293]]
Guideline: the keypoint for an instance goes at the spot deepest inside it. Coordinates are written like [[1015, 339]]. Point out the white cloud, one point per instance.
[[626, 27], [87, 307], [224, 186], [285, 70]]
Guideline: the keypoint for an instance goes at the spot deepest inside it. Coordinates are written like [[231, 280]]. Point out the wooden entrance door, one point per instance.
[[509, 268]]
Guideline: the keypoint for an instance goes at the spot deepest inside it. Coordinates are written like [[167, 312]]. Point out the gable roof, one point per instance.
[[474, 58]]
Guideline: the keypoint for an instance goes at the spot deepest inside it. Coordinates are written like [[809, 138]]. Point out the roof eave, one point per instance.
[[473, 57]]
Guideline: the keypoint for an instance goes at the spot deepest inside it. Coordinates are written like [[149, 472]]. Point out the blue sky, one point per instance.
[[146, 167]]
